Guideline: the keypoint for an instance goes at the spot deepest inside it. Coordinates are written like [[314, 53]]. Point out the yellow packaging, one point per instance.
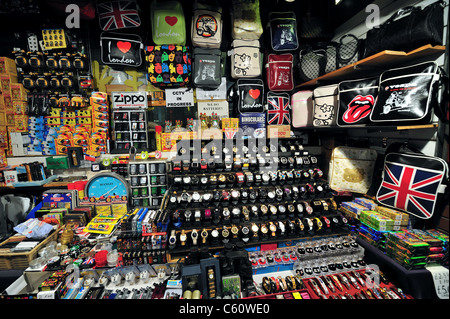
[[3, 159], [393, 214], [2, 118], [103, 210], [18, 92], [7, 101], [10, 119], [21, 123], [7, 66], [6, 80], [119, 209], [2, 103], [3, 137], [19, 107]]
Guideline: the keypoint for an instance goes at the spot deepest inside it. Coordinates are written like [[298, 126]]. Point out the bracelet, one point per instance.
[[282, 283]]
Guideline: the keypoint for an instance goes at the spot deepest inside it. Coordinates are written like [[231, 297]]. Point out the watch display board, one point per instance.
[[277, 195]]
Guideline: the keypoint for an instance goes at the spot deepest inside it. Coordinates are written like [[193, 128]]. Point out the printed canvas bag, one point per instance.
[[325, 105], [351, 169], [116, 15], [245, 59], [206, 27], [245, 20], [302, 108], [168, 65], [168, 23]]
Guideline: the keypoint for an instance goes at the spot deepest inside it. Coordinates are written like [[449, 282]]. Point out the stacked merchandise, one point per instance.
[[444, 238], [13, 106], [436, 245], [377, 221], [407, 249]]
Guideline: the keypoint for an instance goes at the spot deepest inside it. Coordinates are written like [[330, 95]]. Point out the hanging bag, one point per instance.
[[206, 68], [245, 59], [409, 95], [245, 20], [117, 15], [348, 50], [283, 31], [168, 65], [302, 108], [356, 101], [278, 108], [413, 182], [351, 169], [279, 73], [168, 23], [119, 49], [325, 105], [206, 27], [250, 95]]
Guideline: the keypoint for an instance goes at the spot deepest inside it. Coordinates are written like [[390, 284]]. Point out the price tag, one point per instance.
[[440, 278]]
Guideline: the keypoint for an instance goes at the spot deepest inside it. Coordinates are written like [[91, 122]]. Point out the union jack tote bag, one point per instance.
[[413, 183], [115, 15], [278, 109]]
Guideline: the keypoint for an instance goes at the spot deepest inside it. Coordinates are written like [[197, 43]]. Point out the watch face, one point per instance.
[[215, 233], [107, 187]]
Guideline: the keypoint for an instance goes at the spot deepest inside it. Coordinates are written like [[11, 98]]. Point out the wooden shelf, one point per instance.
[[376, 63]]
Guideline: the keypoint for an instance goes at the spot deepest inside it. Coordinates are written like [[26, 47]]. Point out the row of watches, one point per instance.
[[226, 214], [268, 177], [251, 147], [242, 163], [276, 284], [342, 286], [248, 195], [254, 231]]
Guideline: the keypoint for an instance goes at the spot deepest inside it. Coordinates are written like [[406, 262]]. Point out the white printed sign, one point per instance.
[[182, 97], [209, 107]]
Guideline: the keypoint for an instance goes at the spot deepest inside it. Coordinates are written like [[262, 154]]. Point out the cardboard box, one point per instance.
[[2, 118], [10, 119], [21, 123], [6, 80], [20, 107], [7, 66], [278, 131], [211, 134]]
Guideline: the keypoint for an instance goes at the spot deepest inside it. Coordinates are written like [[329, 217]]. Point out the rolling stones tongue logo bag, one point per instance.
[[121, 49], [356, 100]]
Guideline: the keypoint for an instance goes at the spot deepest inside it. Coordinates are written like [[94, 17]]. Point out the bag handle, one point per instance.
[[341, 42], [401, 12], [402, 146]]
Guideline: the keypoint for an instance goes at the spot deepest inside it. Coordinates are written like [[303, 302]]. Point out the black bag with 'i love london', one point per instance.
[[119, 49]]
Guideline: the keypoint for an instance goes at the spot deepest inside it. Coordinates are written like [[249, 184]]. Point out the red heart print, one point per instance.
[[254, 93], [123, 46], [171, 20]]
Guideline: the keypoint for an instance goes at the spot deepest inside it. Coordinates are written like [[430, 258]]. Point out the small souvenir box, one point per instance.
[[370, 204]]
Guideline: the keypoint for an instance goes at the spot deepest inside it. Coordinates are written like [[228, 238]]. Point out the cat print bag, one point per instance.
[[351, 169], [325, 105], [245, 59]]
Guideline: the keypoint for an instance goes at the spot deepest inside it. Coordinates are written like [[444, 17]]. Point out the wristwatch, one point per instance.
[[264, 229], [300, 224], [281, 227], [281, 209], [245, 212], [318, 223], [235, 194], [172, 239], [225, 234], [187, 180], [204, 235], [273, 229], [264, 209], [207, 214], [255, 210], [204, 180], [234, 231], [245, 231], [236, 212], [265, 178], [197, 215], [183, 237], [194, 236], [196, 196], [310, 224], [226, 213], [215, 234], [187, 215], [240, 178], [308, 208], [206, 197], [255, 230]]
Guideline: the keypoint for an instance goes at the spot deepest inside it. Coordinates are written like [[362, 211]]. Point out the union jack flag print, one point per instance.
[[409, 188], [278, 111], [118, 15]]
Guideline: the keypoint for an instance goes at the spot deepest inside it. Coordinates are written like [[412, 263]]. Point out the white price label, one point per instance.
[[440, 278]]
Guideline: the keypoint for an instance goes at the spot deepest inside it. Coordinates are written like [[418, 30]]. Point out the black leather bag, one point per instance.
[[410, 94], [407, 29]]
